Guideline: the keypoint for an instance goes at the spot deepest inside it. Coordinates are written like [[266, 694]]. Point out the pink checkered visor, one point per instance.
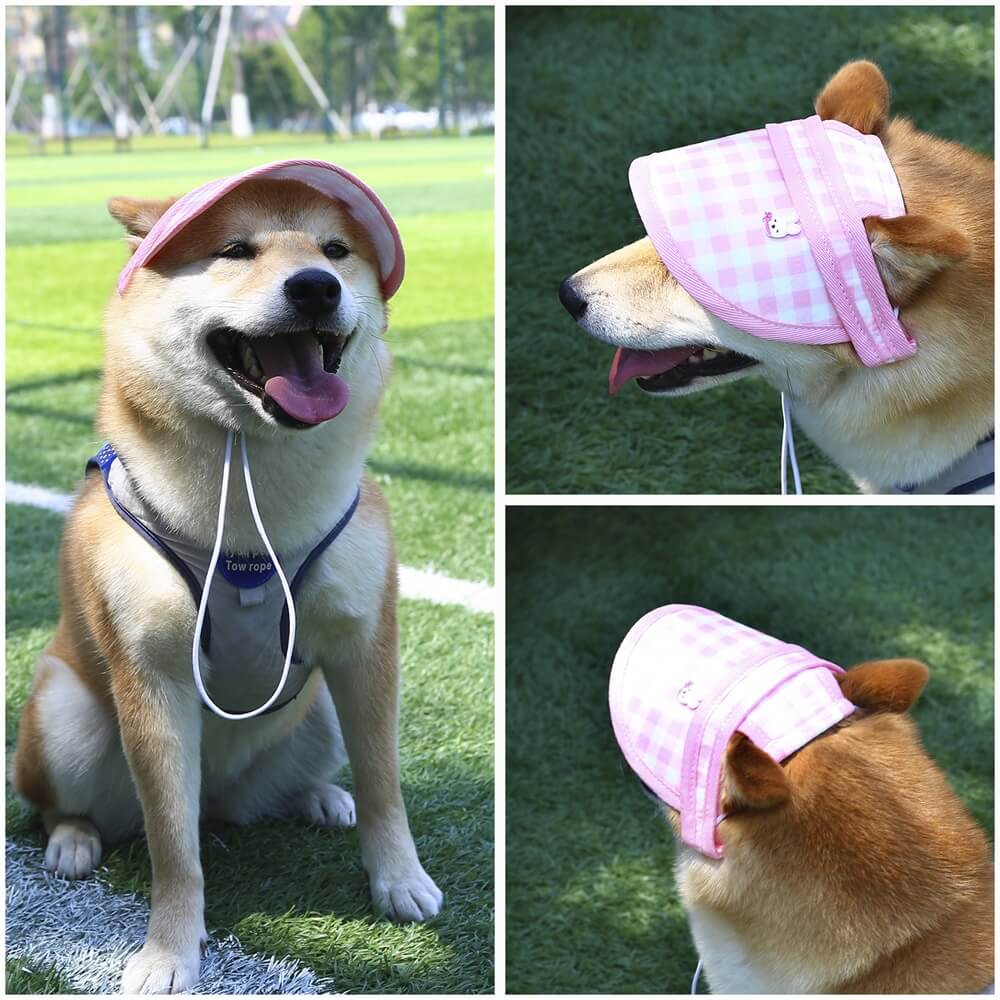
[[335, 182], [685, 679], [764, 230]]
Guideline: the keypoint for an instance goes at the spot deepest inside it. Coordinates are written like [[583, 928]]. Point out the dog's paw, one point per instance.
[[74, 848], [407, 898], [328, 805], [157, 970]]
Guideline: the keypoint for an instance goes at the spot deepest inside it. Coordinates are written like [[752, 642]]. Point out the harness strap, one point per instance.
[[323, 545], [104, 460], [973, 472]]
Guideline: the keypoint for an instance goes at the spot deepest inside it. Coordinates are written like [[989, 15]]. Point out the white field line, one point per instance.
[[85, 931], [416, 584]]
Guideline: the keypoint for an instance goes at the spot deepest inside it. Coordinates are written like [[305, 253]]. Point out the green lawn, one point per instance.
[[588, 90], [434, 458], [591, 903]]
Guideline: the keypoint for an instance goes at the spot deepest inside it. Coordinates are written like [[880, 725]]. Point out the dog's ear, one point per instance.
[[137, 215], [752, 779], [884, 685], [910, 249], [856, 95]]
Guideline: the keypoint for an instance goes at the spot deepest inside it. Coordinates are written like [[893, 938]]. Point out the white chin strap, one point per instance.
[[788, 449], [694, 979], [788, 443], [209, 578]]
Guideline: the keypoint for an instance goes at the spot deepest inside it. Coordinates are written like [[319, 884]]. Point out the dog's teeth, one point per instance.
[[249, 360], [708, 354]]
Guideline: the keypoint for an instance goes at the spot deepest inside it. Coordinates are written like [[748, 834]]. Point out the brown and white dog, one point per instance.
[[902, 423], [114, 738], [852, 867]]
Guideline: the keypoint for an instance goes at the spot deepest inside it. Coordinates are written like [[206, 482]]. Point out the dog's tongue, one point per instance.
[[630, 364], [296, 380]]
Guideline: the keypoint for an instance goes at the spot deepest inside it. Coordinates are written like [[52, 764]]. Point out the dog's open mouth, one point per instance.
[[673, 368], [294, 374]]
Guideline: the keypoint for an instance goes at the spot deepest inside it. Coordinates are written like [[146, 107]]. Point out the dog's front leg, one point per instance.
[[160, 721], [365, 690]]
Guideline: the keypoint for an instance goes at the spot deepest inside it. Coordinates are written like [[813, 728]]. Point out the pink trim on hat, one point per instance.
[[886, 340], [705, 754], [335, 182]]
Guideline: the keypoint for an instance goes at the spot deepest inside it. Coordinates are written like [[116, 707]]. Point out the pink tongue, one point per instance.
[[630, 364], [296, 380]]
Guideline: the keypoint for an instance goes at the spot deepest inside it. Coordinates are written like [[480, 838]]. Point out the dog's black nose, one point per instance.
[[574, 303], [314, 293]]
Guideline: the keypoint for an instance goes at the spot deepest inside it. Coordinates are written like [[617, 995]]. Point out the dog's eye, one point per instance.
[[336, 250], [237, 251]]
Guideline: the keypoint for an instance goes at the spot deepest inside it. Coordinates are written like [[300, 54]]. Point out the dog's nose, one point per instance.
[[313, 293], [574, 303]]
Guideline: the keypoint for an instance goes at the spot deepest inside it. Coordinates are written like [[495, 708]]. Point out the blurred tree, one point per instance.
[[363, 56], [367, 55], [270, 85], [468, 47]]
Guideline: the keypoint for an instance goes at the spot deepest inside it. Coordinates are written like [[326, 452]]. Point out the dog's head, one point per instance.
[[842, 852], [673, 345], [266, 311]]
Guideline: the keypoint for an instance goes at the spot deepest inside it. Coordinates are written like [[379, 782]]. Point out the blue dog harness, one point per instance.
[[972, 473], [246, 601]]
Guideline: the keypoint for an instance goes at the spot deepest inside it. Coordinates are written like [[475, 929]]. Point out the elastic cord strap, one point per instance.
[[788, 450], [203, 604], [788, 442], [695, 978]]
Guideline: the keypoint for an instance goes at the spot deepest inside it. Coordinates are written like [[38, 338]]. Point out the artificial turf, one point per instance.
[[286, 889], [591, 901], [591, 88]]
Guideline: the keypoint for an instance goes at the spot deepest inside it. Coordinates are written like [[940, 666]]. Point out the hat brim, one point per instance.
[[364, 206]]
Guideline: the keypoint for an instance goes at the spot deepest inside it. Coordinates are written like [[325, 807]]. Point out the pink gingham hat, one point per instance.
[[765, 230], [685, 679], [335, 182]]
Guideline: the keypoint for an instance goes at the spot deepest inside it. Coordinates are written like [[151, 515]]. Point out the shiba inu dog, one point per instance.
[[917, 419], [851, 867], [252, 309]]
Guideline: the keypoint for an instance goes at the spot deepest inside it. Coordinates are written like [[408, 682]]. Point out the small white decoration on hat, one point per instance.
[[779, 226], [688, 696]]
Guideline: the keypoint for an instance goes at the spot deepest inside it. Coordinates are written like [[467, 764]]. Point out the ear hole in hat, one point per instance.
[[856, 95], [138, 215], [884, 685], [752, 779], [910, 249]]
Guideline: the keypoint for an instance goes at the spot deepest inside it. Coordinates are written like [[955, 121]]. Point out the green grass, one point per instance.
[[590, 89], [591, 902], [21, 980], [434, 458], [23, 144]]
